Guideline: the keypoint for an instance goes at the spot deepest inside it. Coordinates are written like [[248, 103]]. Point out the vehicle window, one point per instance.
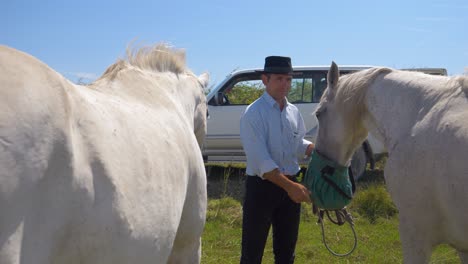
[[320, 86], [306, 87], [301, 90], [245, 92]]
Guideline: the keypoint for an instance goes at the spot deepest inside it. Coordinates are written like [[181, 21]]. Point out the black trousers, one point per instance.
[[265, 205]]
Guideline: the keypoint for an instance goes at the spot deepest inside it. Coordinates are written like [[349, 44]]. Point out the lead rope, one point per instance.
[[340, 215]]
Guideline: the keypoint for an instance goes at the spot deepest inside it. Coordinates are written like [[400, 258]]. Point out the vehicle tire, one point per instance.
[[359, 163]]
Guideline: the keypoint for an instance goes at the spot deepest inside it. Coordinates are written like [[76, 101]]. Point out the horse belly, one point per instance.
[[107, 227]]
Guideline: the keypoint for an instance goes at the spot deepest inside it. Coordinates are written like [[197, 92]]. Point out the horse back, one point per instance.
[[35, 153], [34, 112], [30, 87]]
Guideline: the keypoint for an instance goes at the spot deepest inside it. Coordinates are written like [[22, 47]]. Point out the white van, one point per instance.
[[228, 100]]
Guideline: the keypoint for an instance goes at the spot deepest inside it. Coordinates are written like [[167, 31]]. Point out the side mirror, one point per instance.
[[219, 97], [216, 99]]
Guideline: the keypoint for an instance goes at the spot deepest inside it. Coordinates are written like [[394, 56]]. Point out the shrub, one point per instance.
[[374, 202]]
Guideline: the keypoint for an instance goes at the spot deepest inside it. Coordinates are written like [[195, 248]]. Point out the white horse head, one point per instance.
[[422, 121], [341, 114]]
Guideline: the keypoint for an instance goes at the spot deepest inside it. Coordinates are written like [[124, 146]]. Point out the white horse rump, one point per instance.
[[423, 122], [110, 172]]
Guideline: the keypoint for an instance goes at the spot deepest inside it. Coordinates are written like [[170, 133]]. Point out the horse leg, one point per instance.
[[187, 244], [186, 252], [10, 246], [416, 244], [22, 247]]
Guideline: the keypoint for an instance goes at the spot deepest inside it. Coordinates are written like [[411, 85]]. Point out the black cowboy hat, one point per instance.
[[278, 65]]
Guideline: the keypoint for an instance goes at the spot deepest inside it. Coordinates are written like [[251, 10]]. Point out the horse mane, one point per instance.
[[158, 58], [352, 87]]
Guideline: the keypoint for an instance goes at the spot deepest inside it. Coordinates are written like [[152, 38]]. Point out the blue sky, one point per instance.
[[82, 38]]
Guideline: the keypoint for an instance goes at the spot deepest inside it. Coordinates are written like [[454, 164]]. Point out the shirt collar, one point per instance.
[[272, 102]]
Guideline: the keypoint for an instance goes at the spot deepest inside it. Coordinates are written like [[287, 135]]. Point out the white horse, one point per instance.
[[423, 122], [106, 173]]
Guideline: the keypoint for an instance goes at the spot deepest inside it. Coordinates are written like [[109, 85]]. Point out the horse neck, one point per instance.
[[144, 87], [160, 89], [395, 104]]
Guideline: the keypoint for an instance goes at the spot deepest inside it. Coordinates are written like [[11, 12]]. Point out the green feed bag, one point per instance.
[[330, 184]]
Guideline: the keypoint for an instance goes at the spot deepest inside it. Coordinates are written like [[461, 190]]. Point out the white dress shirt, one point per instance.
[[272, 138]]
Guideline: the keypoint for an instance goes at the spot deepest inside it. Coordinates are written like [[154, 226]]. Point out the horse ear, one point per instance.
[[204, 78], [333, 76]]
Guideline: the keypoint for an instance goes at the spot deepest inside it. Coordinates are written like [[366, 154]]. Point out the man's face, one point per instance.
[[277, 85]]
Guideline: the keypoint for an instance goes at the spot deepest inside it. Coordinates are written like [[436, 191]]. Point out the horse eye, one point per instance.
[[319, 112]]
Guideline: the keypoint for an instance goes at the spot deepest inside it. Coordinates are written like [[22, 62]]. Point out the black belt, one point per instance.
[[291, 177]]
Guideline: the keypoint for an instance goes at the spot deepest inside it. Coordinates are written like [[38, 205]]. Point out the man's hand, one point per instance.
[[298, 193], [309, 149]]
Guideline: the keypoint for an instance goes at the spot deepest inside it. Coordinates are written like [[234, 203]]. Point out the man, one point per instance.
[[272, 133]]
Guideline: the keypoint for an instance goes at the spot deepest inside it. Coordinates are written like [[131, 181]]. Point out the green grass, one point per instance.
[[378, 241], [376, 223]]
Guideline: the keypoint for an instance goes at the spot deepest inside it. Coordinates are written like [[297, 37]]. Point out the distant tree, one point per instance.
[[301, 91], [246, 92], [243, 93]]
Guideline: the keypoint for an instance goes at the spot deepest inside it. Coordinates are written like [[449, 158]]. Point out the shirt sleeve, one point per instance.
[[253, 139]]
